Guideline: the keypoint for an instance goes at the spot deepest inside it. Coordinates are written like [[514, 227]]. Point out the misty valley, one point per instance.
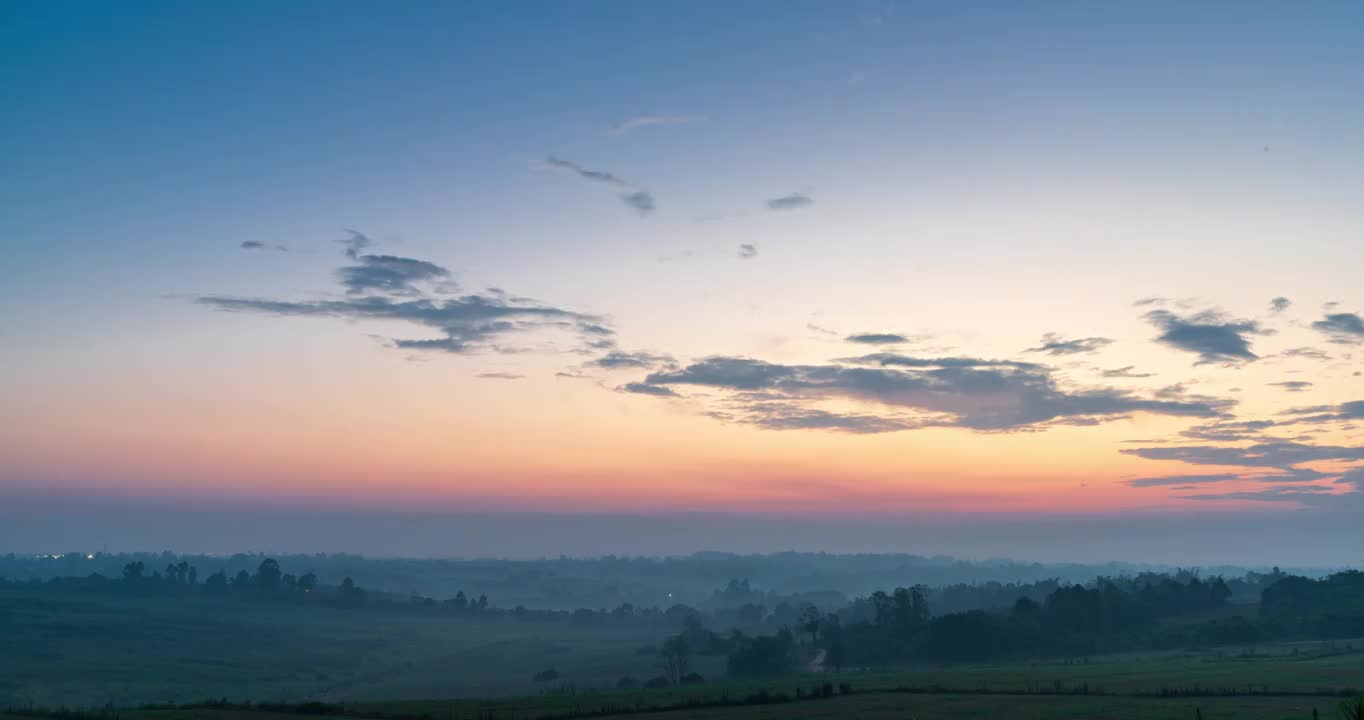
[[706, 635]]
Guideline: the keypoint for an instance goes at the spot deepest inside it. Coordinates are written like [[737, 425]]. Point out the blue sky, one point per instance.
[[972, 176]]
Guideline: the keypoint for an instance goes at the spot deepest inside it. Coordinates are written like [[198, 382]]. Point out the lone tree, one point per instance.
[[675, 658]]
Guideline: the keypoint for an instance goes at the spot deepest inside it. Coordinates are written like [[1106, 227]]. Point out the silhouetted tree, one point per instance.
[[763, 656], [674, 658], [751, 614], [216, 583], [351, 594], [268, 575], [809, 622]]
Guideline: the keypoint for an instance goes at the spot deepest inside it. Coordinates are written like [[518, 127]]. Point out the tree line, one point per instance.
[[1108, 615]]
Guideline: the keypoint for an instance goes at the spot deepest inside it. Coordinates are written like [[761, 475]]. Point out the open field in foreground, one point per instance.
[[894, 706], [1267, 682], [92, 651]]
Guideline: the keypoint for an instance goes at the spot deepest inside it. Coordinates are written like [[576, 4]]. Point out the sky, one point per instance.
[[888, 275]]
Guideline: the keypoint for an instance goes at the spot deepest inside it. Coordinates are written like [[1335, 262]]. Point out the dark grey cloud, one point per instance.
[[1279, 304], [1269, 461], [634, 197], [1181, 480], [645, 389], [258, 245], [641, 200], [500, 376], [1278, 454], [593, 175], [875, 338], [1286, 475], [748, 251], [1306, 494], [945, 392], [592, 328], [618, 359], [1229, 431], [895, 360], [1053, 344], [1127, 371], [790, 202], [1209, 334], [787, 416], [1344, 494], [1344, 412], [1341, 328], [356, 242], [464, 324], [1293, 385], [389, 274]]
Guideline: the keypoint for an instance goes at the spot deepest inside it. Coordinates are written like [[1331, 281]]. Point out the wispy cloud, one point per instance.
[[1279, 304], [356, 242], [1305, 352], [645, 389], [1230, 431], [618, 360], [1281, 454], [748, 251], [258, 245], [1344, 412], [635, 197], [1127, 371], [1181, 480], [793, 201], [643, 121], [641, 200], [600, 176], [1053, 344], [877, 338]]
